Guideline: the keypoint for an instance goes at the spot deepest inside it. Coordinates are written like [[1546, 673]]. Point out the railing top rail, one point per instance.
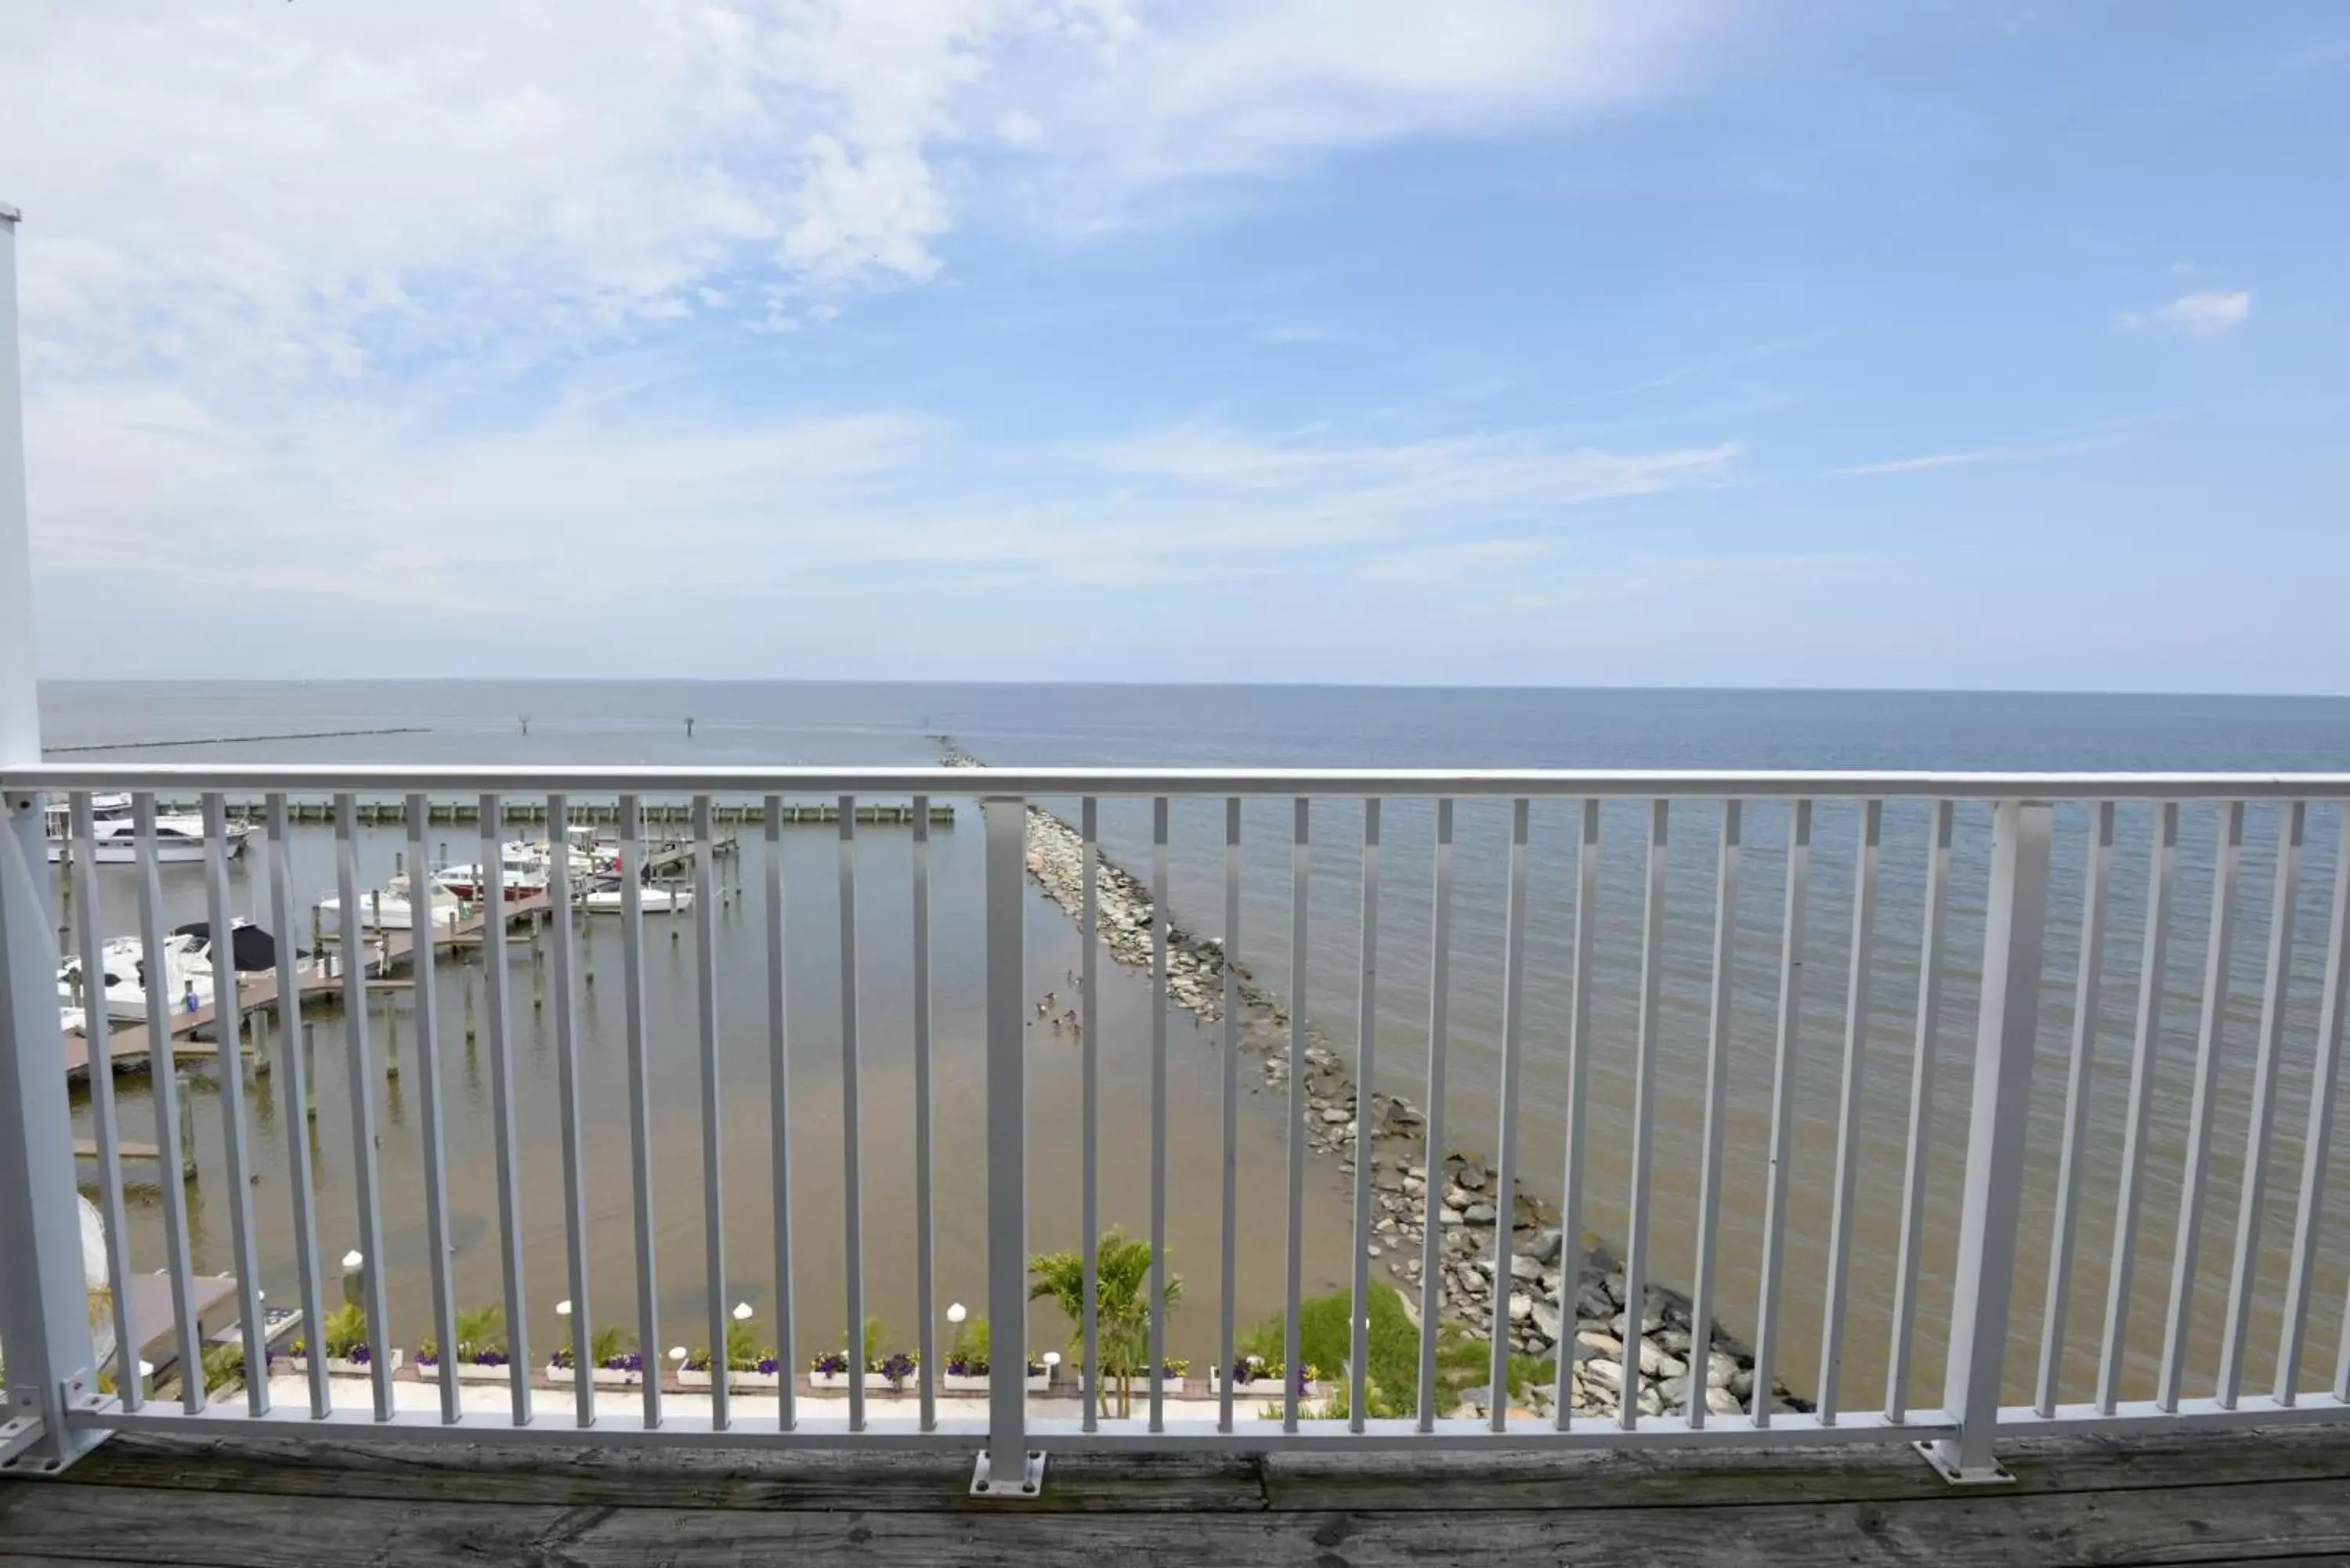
[[1605, 783]]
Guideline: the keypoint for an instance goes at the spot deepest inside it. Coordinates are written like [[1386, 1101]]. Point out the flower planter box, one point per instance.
[[954, 1384], [691, 1378], [475, 1371], [338, 1367], [606, 1377], [874, 1382], [1268, 1386], [1141, 1384]]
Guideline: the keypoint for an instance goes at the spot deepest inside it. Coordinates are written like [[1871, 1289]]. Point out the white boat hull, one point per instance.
[[654, 900], [123, 849], [385, 914]]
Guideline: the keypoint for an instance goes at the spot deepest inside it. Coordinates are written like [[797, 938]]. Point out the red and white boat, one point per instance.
[[522, 868]]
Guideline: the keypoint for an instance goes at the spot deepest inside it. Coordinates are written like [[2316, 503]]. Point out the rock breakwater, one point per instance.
[[1550, 1309]]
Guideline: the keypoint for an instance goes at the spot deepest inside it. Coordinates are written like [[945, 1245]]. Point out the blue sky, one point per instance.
[[1942, 345]]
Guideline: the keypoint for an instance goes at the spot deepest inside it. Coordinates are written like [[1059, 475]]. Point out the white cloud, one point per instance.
[[236, 187], [2204, 314], [299, 278]]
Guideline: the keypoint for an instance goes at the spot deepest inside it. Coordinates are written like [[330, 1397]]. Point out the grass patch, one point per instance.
[[1325, 1342]]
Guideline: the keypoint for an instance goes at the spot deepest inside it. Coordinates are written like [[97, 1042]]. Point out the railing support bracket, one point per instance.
[[1028, 1482], [1943, 1455]]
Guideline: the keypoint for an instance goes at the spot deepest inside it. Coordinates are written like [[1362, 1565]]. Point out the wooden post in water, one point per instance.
[[187, 1107], [469, 1002], [309, 1079]]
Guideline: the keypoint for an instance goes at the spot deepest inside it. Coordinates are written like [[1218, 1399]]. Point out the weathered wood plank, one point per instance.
[[670, 1478], [1852, 1473], [2205, 1524]]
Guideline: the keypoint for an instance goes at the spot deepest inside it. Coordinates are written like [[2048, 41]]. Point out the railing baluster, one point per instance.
[[1578, 1062], [95, 1029], [1229, 1254], [1782, 1110], [1931, 942], [350, 958], [296, 1065], [1991, 1189], [1431, 1233], [228, 1035], [2162, 862], [2199, 1116], [2308, 1215], [1366, 1129], [2086, 986], [562, 940], [779, 1116], [1506, 1176], [633, 869], [2257, 1133], [423, 965], [925, 1285], [1009, 1467], [1717, 1093], [1088, 1112], [1293, 1357], [501, 1100], [163, 1075], [1644, 1114], [1856, 1061], [1159, 831], [851, 1160], [714, 1165]]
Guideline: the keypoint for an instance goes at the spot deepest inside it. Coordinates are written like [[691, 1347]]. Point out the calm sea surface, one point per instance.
[[762, 724]]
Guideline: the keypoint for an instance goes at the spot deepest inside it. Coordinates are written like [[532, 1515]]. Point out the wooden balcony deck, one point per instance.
[[2173, 1497]]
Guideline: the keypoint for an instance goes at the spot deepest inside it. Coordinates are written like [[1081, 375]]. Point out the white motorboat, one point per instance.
[[523, 870], [114, 838], [654, 898], [187, 966], [187, 969], [390, 908]]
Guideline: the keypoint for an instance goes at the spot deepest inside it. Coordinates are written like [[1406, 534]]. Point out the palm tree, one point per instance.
[[1122, 1273], [482, 1328]]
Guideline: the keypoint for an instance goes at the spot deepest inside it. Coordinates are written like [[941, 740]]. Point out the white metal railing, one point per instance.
[[53, 1370]]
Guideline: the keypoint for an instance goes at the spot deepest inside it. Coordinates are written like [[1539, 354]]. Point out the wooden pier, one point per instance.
[[382, 952]]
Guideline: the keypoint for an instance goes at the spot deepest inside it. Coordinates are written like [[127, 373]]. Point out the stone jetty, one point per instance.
[[1582, 1314]]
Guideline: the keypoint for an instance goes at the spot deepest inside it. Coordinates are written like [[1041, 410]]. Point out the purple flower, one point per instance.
[[767, 1366], [964, 1364], [633, 1361], [831, 1364], [490, 1358], [561, 1358], [359, 1356], [897, 1368]]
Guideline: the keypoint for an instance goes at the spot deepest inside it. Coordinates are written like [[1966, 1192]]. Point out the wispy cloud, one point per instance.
[[1971, 459], [2204, 316], [166, 485]]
